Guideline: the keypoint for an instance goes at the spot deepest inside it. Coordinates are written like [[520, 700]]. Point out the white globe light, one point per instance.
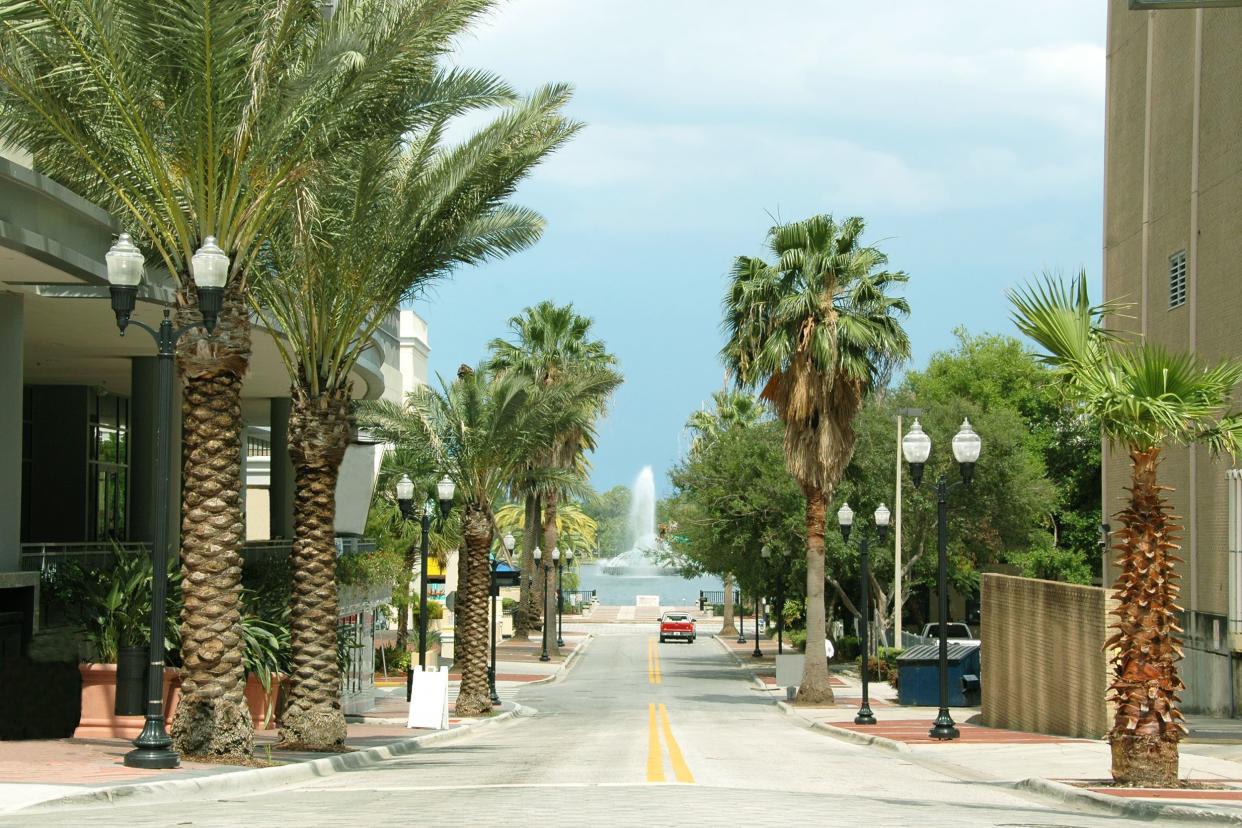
[[537, 554], [916, 445], [210, 265], [509, 541], [445, 489], [556, 553], [124, 261], [966, 444], [405, 488], [882, 515], [845, 515]]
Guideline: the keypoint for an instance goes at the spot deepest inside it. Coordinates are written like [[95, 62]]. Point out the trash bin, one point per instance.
[[918, 671]]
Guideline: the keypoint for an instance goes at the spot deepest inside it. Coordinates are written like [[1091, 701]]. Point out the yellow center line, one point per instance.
[[655, 759], [653, 662], [680, 769]]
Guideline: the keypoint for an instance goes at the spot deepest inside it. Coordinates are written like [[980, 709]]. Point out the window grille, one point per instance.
[[258, 447], [1177, 279]]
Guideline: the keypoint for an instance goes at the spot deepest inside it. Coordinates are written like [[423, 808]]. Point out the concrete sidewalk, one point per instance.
[[39, 771]]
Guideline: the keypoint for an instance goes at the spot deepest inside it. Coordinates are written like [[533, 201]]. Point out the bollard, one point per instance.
[[791, 693]]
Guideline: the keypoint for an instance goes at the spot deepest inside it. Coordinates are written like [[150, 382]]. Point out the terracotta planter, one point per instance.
[[99, 700], [98, 721]]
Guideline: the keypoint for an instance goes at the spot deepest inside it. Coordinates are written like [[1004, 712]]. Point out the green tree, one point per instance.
[[1144, 398], [480, 429], [553, 347], [817, 331], [190, 120], [386, 222], [610, 510]]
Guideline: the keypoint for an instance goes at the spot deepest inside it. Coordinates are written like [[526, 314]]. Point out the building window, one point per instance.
[[109, 467], [1177, 279], [258, 447]]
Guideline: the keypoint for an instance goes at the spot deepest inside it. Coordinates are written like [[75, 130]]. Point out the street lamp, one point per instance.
[[916, 446], [445, 491], [845, 520], [766, 552], [210, 271], [741, 611], [543, 573], [494, 590], [560, 599]]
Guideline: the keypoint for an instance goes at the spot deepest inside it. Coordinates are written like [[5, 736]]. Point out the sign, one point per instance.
[[1157, 5], [435, 571], [429, 699]]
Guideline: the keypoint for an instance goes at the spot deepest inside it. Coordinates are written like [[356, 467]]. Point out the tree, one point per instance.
[[479, 429], [817, 331], [730, 409], [195, 120], [1144, 398], [610, 510], [553, 347], [379, 226]]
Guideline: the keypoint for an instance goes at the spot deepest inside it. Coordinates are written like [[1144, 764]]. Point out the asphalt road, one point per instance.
[[639, 733]]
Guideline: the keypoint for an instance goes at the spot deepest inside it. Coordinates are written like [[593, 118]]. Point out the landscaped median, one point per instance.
[[42, 774]]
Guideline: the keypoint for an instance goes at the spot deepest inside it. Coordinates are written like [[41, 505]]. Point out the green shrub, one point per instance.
[[847, 648], [797, 639], [508, 604], [397, 661]]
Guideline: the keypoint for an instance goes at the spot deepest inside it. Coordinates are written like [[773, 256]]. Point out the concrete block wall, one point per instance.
[[1044, 669]]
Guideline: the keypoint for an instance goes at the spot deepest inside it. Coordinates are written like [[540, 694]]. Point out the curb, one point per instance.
[[567, 664], [262, 779], [1135, 809], [844, 734]]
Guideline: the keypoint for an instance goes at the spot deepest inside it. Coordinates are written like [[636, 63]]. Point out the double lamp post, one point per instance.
[[916, 446], [209, 268], [845, 520], [445, 490], [560, 602]]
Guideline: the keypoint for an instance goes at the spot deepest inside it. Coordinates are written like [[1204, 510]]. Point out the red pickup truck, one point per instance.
[[677, 626]]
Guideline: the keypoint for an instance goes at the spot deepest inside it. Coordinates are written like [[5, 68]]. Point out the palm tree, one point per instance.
[[552, 343], [1144, 398], [396, 218], [192, 120], [816, 331], [731, 409], [480, 428]]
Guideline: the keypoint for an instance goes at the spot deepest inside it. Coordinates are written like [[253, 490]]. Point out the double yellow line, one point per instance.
[[653, 662], [655, 759]]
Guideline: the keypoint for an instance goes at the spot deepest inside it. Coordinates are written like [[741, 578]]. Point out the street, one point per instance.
[[637, 733]]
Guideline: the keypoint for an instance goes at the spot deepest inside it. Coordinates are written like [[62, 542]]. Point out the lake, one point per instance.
[[621, 590]]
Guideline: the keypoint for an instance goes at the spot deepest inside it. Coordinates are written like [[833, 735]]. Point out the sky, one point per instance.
[[969, 135]]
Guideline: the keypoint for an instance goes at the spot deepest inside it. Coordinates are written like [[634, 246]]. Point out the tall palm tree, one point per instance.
[[816, 331], [480, 428], [189, 120], [730, 409], [394, 219], [1144, 398], [551, 343]]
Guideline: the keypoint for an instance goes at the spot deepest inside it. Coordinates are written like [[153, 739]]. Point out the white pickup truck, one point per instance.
[[957, 632]]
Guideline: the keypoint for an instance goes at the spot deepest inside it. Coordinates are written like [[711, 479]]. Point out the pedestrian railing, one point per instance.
[[578, 597], [711, 597]]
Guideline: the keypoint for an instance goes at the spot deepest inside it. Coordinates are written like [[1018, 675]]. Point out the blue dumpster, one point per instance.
[[918, 671]]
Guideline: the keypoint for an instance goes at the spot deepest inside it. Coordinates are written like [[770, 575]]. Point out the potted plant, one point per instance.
[[433, 649], [265, 656]]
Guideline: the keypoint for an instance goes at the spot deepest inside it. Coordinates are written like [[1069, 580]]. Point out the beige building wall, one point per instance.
[[1043, 667], [1174, 184]]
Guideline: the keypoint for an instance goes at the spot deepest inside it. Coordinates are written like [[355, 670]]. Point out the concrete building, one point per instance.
[[77, 404], [1173, 250]]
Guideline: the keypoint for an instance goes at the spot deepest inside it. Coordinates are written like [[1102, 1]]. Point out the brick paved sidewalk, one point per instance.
[[36, 770]]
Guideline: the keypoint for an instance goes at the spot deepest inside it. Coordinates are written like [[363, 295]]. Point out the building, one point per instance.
[[77, 406], [1173, 250]]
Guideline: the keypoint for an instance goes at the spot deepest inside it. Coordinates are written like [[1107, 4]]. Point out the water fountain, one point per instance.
[[636, 561]]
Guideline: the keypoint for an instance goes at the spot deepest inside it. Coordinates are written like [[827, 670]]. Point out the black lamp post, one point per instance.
[[916, 446], [741, 611], [543, 573], [560, 597], [845, 520], [494, 590], [766, 552], [445, 490], [210, 270]]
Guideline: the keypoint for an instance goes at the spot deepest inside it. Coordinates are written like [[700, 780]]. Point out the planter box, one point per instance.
[[99, 699], [98, 721]]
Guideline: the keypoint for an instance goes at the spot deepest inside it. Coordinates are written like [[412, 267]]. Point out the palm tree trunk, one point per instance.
[[1147, 725], [471, 646], [212, 718], [523, 620], [319, 429], [549, 586], [728, 629], [535, 522], [815, 688], [406, 585]]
